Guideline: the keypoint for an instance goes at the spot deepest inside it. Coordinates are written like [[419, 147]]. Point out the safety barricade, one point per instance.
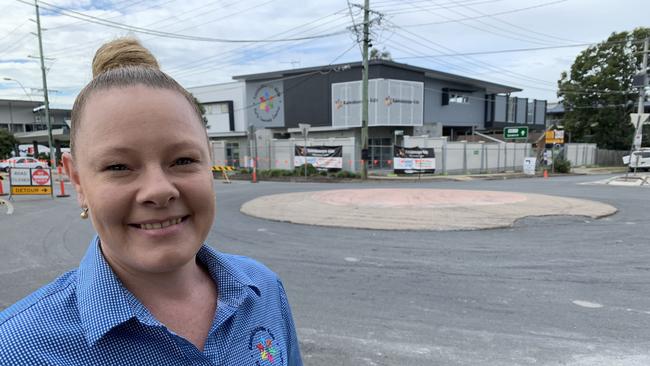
[[223, 169]]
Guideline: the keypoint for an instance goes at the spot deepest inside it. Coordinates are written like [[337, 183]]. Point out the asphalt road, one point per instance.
[[548, 291]]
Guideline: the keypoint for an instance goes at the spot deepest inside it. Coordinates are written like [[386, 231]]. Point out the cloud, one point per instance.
[[71, 43]]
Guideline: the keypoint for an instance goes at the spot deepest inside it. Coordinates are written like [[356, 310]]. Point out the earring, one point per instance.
[[84, 213]]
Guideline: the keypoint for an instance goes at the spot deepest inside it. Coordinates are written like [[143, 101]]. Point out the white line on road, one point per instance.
[[587, 304]]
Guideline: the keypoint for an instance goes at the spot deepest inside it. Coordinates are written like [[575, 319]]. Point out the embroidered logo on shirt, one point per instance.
[[263, 348]]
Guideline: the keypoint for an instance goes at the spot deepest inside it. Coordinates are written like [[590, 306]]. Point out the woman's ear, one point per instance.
[[71, 170]]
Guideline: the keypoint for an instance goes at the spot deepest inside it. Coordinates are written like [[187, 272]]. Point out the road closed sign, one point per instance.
[[27, 181], [40, 177]]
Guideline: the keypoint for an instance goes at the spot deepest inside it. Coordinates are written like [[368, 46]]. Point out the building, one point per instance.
[[26, 120], [403, 100]]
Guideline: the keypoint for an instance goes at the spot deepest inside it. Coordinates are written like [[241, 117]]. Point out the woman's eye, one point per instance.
[[184, 161], [116, 167]]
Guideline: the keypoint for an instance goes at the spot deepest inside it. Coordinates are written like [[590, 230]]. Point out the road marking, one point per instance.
[[351, 259], [261, 229], [10, 207], [587, 304]]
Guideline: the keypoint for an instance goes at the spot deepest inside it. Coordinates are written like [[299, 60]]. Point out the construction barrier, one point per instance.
[[223, 169], [30, 181]]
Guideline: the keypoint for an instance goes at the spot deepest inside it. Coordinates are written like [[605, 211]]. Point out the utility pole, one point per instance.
[[364, 90], [636, 141], [53, 162], [640, 108]]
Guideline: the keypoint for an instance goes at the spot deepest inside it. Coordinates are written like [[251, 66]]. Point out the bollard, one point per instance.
[[62, 189]]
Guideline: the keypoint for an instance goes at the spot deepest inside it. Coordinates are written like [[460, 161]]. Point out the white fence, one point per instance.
[[451, 157]]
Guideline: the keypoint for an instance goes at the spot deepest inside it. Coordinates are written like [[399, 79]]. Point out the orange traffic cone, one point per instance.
[[545, 174]]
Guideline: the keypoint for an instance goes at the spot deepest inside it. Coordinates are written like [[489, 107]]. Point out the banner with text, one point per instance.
[[414, 159], [326, 157]]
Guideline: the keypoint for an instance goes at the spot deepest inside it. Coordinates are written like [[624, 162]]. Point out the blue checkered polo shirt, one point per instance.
[[86, 317]]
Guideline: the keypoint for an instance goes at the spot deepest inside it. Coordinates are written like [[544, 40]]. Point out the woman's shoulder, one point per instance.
[[39, 309], [252, 268]]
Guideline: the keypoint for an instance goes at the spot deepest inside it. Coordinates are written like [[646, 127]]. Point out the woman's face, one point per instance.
[[142, 167]]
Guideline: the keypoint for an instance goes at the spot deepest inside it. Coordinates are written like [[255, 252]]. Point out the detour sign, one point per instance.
[[26, 181]]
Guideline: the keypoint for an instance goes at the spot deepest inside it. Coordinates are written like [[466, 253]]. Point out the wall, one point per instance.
[[234, 92], [453, 114]]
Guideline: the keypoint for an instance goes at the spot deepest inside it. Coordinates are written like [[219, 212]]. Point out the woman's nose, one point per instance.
[[157, 188]]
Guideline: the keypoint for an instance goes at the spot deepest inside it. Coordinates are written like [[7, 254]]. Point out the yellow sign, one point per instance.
[[18, 190], [555, 137]]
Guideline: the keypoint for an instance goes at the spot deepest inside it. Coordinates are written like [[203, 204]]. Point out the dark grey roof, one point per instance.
[[434, 74]]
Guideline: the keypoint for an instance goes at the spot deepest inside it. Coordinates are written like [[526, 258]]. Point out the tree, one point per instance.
[[7, 143], [376, 54], [598, 95], [202, 110]]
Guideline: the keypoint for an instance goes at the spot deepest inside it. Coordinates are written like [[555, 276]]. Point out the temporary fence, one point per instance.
[[452, 157], [606, 157]]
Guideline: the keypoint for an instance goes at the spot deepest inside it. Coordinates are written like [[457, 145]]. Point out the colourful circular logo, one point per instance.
[[267, 101], [263, 348]]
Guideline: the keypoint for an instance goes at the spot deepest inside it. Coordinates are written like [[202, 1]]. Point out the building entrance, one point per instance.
[[381, 153]]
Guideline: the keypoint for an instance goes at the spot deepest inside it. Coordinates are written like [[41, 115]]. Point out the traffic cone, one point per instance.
[[2, 193], [545, 174], [62, 187]]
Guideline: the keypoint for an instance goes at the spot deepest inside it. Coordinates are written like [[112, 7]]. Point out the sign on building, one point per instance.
[[515, 133], [325, 157], [414, 159], [265, 104], [554, 137], [390, 103], [29, 181]]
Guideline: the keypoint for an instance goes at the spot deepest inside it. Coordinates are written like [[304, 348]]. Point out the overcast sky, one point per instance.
[[417, 32]]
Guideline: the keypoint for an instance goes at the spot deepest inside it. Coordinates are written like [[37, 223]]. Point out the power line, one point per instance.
[[111, 24], [497, 33], [84, 47], [499, 51], [482, 16], [312, 25], [524, 28]]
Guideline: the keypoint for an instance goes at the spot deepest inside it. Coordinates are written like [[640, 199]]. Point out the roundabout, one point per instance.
[[417, 209]]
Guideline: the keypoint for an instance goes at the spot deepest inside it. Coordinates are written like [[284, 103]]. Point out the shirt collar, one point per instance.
[[104, 303]]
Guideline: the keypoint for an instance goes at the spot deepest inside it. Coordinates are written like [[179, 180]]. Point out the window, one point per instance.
[[458, 98]]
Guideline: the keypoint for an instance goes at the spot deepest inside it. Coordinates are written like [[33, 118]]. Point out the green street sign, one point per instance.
[[515, 133]]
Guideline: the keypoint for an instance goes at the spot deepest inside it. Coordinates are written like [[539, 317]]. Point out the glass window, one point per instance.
[[458, 98]]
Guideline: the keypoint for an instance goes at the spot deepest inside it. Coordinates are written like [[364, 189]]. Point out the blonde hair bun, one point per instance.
[[122, 52]]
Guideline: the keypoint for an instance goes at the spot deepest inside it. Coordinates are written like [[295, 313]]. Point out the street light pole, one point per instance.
[[21, 86], [53, 161]]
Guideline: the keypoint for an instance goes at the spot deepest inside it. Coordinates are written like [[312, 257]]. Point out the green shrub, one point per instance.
[[300, 170], [562, 165], [346, 174]]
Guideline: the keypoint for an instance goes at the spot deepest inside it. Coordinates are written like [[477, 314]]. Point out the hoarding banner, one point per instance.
[[330, 157], [414, 159]]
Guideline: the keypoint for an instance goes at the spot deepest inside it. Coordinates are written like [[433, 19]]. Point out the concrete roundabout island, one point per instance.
[[417, 209]]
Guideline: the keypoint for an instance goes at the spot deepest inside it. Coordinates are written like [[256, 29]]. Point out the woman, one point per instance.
[[148, 291]]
